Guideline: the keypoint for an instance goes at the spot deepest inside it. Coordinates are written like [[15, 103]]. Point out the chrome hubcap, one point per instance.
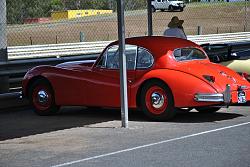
[[42, 96], [157, 100]]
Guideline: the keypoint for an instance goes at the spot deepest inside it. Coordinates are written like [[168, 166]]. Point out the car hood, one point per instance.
[[238, 65], [223, 75]]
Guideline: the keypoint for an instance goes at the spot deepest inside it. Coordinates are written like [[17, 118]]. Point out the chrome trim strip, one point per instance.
[[204, 97], [216, 97]]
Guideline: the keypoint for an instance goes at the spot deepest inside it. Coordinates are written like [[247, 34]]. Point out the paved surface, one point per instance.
[[81, 137]]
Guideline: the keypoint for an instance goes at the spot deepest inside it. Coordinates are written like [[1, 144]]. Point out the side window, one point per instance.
[[183, 54], [144, 59], [102, 61], [110, 58], [131, 54]]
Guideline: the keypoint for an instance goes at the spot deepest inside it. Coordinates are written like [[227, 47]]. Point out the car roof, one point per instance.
[[159, 45]]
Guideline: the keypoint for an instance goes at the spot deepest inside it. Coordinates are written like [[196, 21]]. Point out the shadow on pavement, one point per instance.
[[24, 122], [196, 117]]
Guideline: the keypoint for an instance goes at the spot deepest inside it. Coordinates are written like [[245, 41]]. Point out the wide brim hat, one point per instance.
[[175, 22]]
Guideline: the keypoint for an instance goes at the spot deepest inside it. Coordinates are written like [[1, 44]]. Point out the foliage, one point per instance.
[[18, 10], [56, 5]]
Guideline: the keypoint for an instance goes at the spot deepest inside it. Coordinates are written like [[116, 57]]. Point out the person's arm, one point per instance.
[[182, 34], [165, 33]]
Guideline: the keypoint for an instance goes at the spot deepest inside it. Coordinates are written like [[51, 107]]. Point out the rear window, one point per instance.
[[182, 54]]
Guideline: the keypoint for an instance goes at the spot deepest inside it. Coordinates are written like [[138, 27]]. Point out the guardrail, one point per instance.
[[221, 38], [55, 50], [72, 49], [22, 58], [16, 69]]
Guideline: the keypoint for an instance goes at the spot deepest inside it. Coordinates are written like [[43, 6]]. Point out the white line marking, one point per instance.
[[148, 145]]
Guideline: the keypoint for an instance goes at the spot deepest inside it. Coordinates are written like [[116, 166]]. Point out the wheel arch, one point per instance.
[[138, 94], [33, 80]]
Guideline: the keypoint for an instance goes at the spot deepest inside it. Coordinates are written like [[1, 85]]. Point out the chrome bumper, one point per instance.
[[216, 97]]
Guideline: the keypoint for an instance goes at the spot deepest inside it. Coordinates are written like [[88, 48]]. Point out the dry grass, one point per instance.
[[213, 19]]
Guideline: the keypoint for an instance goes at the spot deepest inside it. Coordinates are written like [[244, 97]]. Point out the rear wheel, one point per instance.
[[171, 8], [157, 101], [208, 109], [42, 98]]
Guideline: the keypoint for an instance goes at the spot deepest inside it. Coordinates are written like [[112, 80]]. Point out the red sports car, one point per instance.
[[164, 74]]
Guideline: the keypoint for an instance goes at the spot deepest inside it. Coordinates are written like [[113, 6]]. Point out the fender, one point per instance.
[[183, 91]]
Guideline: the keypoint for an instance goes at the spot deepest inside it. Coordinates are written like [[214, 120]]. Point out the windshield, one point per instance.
[[217, 52], [182, 54]]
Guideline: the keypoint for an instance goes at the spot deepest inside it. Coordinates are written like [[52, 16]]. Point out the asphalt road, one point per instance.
[[81, 137]]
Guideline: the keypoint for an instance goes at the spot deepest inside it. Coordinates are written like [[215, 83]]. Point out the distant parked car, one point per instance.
[[169, 5], [234, 56], [164, 74]]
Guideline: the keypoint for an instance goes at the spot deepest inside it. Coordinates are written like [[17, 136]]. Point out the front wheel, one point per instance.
[[42, 98], [157, 101], [208, 109]]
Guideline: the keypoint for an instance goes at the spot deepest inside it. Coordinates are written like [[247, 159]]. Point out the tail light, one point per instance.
[[209, 78]]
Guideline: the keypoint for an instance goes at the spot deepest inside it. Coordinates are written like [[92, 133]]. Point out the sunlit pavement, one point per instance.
[[82, 137]]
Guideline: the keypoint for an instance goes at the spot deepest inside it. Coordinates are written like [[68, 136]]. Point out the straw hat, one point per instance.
[[175, 22]]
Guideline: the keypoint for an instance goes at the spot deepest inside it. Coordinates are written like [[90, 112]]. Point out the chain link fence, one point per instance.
[[30, 22]]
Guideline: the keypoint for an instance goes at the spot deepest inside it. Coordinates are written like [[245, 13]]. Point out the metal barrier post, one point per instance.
[[245, 22], [150, 23], [4, 80], [81, 36], [122, 63], [199, 30]]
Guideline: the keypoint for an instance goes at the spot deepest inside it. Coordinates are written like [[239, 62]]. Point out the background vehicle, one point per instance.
[[164, 74], [169, 5], [235, 56]]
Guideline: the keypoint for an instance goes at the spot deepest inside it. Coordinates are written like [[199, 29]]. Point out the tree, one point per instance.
[[56, 5], [18, 10], [15, 11]]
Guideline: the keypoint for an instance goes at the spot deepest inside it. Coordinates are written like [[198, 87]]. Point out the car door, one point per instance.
[[165, 4], [158, 4], [104, 89]]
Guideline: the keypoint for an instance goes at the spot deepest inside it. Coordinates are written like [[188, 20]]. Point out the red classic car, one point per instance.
[[164, 74]]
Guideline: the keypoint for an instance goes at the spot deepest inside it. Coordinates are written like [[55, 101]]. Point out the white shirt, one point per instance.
[[175, 32]]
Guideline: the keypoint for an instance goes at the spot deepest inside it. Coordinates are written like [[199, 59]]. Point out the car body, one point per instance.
[[234, 56], [164, 74], [169, 5]]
